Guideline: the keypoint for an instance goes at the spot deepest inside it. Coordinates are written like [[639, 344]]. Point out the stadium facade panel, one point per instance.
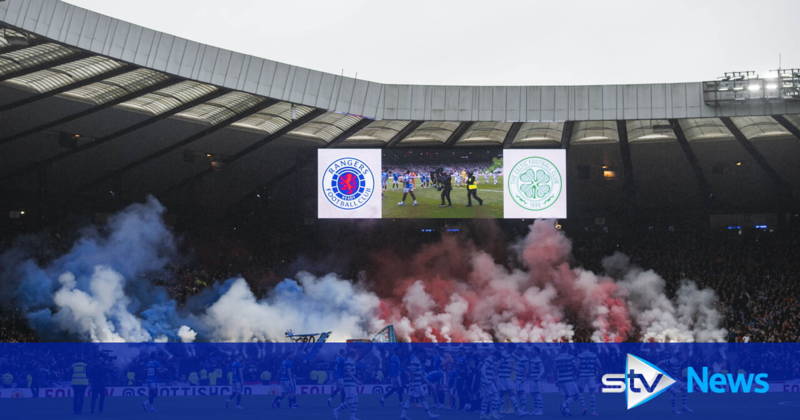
[[103, 35]]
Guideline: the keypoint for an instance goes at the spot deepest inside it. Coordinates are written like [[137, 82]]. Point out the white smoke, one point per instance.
[[100, 313], [697, 308], [547, 300], [508, 308], [95, 290], [102, 290], [692, 317], [309, 305], [186, 334], [652, 310]]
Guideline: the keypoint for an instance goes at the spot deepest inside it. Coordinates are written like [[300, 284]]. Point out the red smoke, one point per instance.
[[451, 291]]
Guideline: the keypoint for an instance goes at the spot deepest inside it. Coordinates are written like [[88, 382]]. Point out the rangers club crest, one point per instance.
[[348, 183]]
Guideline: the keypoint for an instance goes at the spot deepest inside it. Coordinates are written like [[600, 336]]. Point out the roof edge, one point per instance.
[[121, 40]]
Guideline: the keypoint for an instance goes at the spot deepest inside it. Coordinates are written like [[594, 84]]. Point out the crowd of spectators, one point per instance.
[[754, 273]]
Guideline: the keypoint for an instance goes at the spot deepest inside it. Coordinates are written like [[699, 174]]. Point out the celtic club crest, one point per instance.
[[535, 183]]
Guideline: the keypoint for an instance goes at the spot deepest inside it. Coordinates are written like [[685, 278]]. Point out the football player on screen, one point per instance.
[[408, 189]]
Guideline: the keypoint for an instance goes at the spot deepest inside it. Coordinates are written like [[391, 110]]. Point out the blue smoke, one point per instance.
[[104, 289], [135, 244]]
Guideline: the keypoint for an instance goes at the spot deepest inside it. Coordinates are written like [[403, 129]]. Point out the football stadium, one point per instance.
[[188, 231]]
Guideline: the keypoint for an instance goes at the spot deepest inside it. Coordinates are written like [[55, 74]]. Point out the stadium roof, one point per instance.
[[97, 105]]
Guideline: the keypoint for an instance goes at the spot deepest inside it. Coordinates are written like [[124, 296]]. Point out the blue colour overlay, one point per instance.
[[398, 380]]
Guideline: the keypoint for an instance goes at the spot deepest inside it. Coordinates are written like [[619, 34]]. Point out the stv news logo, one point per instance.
[[643, 381]]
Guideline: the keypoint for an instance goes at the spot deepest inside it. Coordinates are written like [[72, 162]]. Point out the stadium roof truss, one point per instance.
[[80, 66]]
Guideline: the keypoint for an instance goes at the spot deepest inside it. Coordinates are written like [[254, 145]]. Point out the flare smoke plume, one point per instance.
[[102, 290]]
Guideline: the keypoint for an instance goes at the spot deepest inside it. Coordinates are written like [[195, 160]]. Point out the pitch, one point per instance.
[[429, 200]]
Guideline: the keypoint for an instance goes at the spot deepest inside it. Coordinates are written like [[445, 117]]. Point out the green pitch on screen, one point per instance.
[[429, 199]]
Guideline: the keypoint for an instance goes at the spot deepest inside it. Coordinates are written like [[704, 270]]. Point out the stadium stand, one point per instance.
[[97, 113]]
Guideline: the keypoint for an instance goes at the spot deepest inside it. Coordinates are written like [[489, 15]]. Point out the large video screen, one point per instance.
[[442, 183], [445, 183]]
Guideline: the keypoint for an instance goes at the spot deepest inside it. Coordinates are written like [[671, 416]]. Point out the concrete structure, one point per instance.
[[95, 107]]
